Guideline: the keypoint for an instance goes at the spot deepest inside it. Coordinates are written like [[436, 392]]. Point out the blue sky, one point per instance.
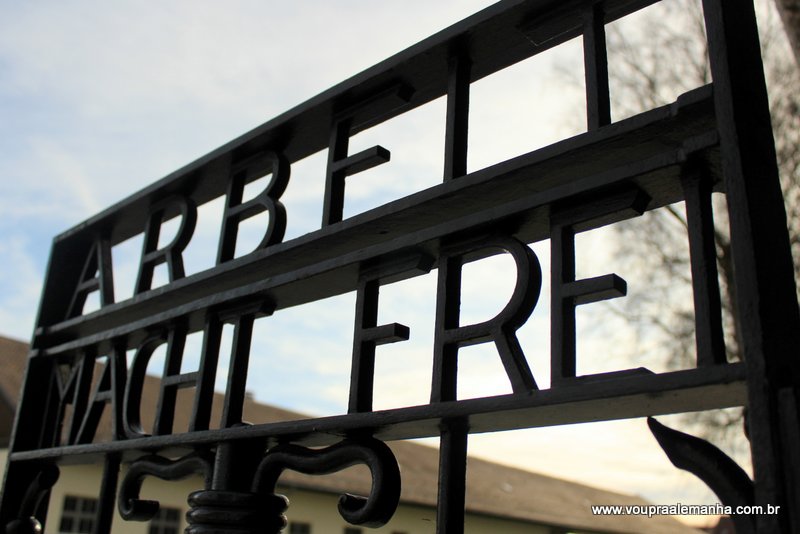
[[99, 99]]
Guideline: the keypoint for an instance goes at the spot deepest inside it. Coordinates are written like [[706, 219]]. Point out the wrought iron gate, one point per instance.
[[714, 138]]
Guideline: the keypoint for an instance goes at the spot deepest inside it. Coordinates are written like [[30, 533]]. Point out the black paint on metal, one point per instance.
[[172, 253], [453, 445], [710, 341], [107, 494], [374, 510], [131, 506], [366, 337], [267, 200], [712, 138], [457, 120], [595, 65], [33, 502]]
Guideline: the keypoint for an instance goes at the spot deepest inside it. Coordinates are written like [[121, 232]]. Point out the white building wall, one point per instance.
[[317, 509]]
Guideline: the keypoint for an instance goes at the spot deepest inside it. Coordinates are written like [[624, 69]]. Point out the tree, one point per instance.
[[790, 14], [648, 68]]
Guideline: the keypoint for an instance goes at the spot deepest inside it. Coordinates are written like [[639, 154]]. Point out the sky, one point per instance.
[[100, 99]]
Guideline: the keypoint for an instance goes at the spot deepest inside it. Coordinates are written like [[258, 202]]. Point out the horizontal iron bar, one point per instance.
[[589, 290], [517, 192], [362, 161], [621, 397]]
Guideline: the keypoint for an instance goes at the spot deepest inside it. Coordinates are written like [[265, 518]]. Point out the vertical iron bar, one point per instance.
[[457, 119], [452, 478], [209, 358], [234, 465], [52, 412], [63, 276], [237, 371], [119, 372], [362, 373], [229, 228], [595, 59], [763, 270], [32, 405], [562, 309], [108, 495], [167, 399], [705, 283], [448, 305], [333, 203], [80, 399]]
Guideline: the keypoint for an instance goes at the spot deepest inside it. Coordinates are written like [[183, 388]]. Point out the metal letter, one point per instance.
[[237, 211], [501, 329], [171, 253]]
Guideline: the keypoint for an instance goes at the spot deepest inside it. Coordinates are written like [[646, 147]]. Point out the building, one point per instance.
[[499, 498]]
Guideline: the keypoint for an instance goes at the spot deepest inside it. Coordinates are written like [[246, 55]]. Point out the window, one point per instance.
[[77, 515], [166, 521], [299, 528]]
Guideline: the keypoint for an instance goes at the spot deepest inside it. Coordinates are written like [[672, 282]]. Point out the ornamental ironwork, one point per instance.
[[715, 138]]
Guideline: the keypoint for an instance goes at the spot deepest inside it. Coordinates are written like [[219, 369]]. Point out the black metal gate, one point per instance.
[[714, 138]]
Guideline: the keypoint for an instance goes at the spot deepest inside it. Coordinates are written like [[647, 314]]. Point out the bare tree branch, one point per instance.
[[790, 15], [650, 65]]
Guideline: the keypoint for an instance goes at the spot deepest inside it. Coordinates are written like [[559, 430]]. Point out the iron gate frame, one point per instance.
[[716, 138]]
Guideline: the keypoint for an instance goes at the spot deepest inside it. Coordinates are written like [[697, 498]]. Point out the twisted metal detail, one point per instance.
[[214, 511]]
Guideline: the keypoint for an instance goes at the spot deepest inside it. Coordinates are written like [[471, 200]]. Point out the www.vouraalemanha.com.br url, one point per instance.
[[651, 510]]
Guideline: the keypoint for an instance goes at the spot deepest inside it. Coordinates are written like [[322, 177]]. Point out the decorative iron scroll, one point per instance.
[[131, 507], [260, 508], [714, 138], [373, 511]]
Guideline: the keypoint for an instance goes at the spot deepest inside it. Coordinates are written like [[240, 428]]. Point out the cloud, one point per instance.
[[21, 284], [127, 56], [58, 186]]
